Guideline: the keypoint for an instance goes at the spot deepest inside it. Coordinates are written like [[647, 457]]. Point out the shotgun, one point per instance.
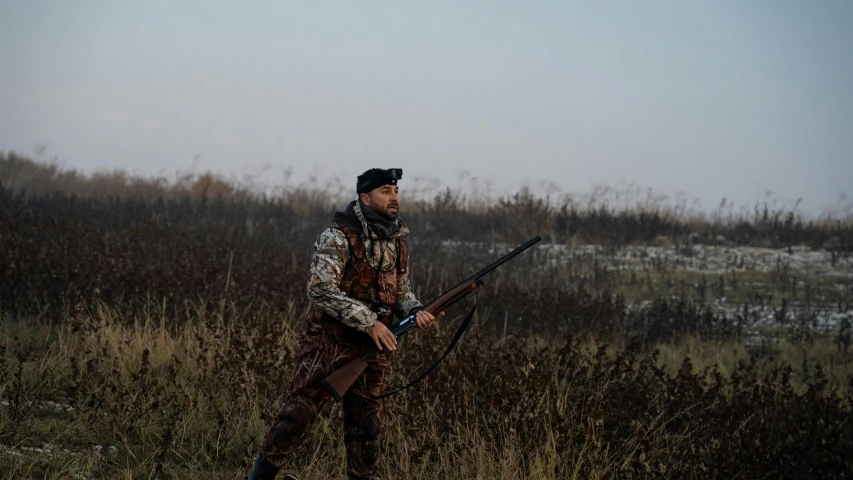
[[342, 379]]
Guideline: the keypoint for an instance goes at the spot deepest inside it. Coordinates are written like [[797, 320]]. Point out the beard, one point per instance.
[[384, 211]]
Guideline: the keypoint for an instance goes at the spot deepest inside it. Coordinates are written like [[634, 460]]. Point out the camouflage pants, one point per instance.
[[362, 416]]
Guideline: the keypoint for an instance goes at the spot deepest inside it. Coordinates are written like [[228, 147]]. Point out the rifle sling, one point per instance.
[[453, 342]]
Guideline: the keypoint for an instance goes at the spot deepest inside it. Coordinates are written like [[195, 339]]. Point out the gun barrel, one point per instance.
[[497, 263]]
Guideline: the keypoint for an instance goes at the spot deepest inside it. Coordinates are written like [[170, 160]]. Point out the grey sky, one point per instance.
[[711, 99]]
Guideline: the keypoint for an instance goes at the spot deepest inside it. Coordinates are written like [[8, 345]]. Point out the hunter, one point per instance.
[[358, 282]]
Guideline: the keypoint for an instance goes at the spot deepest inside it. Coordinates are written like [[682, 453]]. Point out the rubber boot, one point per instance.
[[263, 469]]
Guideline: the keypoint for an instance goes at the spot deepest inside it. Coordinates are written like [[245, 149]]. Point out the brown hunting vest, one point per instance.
[[360, 281]]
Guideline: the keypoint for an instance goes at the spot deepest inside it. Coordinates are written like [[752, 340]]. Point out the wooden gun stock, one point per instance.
[[342, 379]]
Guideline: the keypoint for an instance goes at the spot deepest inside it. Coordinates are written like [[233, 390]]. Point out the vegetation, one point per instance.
[[149, 327]]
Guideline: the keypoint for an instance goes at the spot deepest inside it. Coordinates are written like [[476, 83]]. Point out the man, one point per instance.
[[359, 280]]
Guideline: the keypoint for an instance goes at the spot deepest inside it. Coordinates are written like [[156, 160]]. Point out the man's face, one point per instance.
[[384, 200]]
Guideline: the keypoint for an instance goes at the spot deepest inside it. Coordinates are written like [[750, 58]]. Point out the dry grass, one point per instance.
[[150, 326], [191, 401]]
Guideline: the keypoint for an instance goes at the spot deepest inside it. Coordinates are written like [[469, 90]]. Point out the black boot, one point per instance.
[[263, 469]]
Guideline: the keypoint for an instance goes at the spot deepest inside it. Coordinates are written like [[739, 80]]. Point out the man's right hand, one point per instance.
[[381, 335]]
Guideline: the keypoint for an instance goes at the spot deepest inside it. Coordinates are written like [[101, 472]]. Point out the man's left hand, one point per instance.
[[425, 319]]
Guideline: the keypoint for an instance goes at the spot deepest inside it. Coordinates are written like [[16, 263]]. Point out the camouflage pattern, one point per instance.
[[347, 299], [363, 417], [342, 290]]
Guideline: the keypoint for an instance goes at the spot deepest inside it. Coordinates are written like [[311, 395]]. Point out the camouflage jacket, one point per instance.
[[343, 281]]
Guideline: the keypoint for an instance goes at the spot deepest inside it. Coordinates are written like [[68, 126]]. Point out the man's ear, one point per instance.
[[365, 198]]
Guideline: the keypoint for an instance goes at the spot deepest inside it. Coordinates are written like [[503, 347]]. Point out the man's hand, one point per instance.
[[425, 319], [381, 335]]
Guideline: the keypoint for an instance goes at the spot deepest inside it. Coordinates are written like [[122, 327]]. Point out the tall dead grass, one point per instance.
[[191, 400]]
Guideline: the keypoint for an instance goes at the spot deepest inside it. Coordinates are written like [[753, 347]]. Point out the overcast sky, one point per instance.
[[710, 99]]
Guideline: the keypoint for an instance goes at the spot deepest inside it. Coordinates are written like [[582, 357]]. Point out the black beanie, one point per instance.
[[377, 177]]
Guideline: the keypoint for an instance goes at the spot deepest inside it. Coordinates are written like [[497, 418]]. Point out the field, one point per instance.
[[148, 329]]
